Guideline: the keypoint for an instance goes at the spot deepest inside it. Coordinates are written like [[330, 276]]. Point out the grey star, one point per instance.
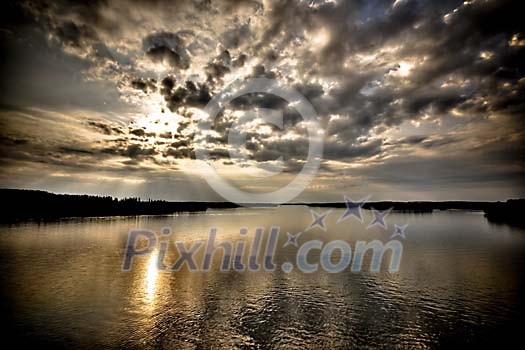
[[318, 220], [292, 239], [379, 218], [400, 231], [353, 208]]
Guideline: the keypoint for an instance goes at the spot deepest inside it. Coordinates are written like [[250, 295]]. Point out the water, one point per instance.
[[460, 283]]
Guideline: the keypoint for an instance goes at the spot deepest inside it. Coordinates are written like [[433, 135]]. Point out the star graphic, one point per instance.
[[353, 208], [318, 220], [400, 231], [379, 218], [292, 239]]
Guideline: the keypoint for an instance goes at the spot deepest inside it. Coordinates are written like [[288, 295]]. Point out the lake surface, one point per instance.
[[460, 282]]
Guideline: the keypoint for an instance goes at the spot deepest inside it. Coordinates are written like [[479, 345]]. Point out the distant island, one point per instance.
[[22, 205]]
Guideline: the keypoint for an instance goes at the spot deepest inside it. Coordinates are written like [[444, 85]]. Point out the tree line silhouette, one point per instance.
[[30, 204], [20, 205]]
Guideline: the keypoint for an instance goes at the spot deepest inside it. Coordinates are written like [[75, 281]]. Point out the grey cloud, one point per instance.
[[236, 36], [133, 151], [439, 141], [413, 140], [344, 151]]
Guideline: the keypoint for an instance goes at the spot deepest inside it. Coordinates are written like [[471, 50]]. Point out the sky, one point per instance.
[[417, 100]]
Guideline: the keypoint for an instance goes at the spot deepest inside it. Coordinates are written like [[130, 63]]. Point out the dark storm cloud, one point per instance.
[[188, 95], [12, 141], [138, 132], [125, 147], [373, 70], [259, 100], [146, 85], [449, 47], [260, 71], [168, 48], [239, 61], [310, 91], [341, 151], [180, 152], [218, 67], [136, 151], [72, 34], [72, 150], [442, 100], [105, 127]]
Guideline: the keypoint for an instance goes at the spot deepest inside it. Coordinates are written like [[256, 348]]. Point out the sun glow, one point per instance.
[[320, 38], [159, 123], [517, 40], [403, 70]]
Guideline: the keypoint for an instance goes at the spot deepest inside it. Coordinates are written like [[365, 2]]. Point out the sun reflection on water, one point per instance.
[[152, 274]]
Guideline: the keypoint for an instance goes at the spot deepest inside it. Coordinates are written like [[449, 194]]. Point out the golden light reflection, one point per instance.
[[152, 274]]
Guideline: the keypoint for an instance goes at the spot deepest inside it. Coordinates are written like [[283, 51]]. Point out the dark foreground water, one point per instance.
[[461, 282]]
